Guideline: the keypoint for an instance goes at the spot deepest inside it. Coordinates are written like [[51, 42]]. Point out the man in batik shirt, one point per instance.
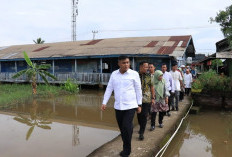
[[148, 97]]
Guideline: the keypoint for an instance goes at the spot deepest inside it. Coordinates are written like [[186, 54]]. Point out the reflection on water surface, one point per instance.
[[64, 126], [208, 134]]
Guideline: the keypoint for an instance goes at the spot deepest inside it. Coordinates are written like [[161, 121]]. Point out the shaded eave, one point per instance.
[[213, 56]]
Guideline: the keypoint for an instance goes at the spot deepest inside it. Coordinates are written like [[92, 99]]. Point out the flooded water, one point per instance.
[[70, 126], [208, 134]]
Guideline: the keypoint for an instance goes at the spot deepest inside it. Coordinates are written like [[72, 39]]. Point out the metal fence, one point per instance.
[[80, 78]]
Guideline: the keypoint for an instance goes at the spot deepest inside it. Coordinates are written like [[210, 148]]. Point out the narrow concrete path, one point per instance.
[[153, 140]]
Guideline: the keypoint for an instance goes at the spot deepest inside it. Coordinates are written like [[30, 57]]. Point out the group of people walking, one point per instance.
[[146, 92]]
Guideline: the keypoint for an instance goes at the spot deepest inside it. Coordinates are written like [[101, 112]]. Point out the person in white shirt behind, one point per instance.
[[169, 85], [126, 85], [176, 75], [188, 82]]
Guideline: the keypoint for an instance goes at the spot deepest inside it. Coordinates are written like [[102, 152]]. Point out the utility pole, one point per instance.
[[74, 15], [94, 33]]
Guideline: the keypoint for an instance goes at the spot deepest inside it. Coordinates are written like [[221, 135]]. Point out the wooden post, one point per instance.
[[101, 70], [53, 67], [75, 65], [16, 70], [133, 63]]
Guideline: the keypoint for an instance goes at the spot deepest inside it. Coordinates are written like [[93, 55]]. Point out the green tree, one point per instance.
[[224, 18], [39, 41], [216, 63], [33, 70]]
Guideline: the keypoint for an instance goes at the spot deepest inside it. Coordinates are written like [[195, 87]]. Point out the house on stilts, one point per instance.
[[91, 62]]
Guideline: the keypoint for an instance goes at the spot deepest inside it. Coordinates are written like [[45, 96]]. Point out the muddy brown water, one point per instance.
[[70, 126], [208, 134]]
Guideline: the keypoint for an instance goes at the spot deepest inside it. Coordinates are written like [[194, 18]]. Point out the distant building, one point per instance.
[[92, 62], [224, 51], [198, 57]]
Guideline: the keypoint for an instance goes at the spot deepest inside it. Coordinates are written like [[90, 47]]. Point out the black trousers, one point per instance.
[[149, 109], [187, 91], [153, 117], [142, 117], [169, 102], [125, 124], [181, 95]]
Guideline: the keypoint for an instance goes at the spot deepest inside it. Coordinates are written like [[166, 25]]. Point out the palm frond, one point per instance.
[[44, 66], [49, 75], [21, 116], [27, 59], [36, 66], [45, 122], [29, 132], [39, 41], [19, 73], [21, 120], [44, 127], [30, 73], [43, 77]]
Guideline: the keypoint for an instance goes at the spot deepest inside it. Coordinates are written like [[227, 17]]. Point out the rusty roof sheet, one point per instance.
[[160, 45], [40, 49]]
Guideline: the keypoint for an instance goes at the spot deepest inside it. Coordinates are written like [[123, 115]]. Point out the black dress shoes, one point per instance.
[[123, 154]]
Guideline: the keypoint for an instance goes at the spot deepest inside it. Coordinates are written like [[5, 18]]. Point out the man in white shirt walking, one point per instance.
[[169, 85], [126, 85], [188, 82], [176, 75]]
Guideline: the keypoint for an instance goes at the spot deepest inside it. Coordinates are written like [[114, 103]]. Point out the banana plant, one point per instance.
[[33, 70], [35, 119]]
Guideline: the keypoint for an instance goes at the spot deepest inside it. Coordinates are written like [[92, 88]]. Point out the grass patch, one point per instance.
[[17, 93]]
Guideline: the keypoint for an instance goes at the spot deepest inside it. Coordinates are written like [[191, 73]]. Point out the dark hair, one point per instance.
[[123, 57], [174, 64], [151, 64], [164, 64], [143, 62]]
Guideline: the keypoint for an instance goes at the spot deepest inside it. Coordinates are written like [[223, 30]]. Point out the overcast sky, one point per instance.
[[22, 21]]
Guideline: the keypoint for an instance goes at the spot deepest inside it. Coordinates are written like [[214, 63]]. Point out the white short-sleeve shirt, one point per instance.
[[176, 75]]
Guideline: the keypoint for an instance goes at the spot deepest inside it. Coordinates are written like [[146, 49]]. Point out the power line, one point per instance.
[[154, 29]]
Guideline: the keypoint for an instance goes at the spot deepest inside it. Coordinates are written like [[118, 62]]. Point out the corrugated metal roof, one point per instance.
[[40, 49], [152, 44], [157, 45], [93, 42], [9, 55]]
